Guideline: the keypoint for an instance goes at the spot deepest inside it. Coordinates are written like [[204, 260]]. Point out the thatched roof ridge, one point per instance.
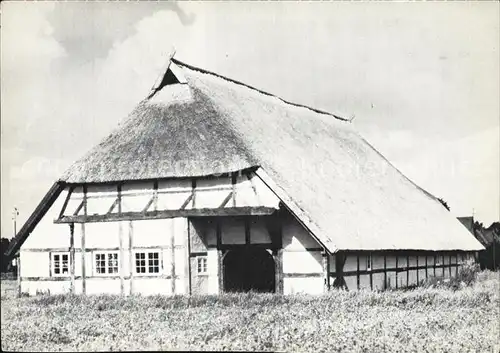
[[194, 68], [341, 188]]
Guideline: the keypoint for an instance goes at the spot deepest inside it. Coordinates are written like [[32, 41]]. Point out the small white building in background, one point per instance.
[[213, 186]]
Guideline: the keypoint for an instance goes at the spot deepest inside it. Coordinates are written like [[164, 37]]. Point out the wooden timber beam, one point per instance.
[[68, 196], [78, 209], [193, 187], [234, 180], [112, 206], [340, 259], [84, 274], [188, 200], [200, 212], [148, 205]]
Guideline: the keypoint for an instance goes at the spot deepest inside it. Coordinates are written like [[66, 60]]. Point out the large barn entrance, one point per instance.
[[249, 269]]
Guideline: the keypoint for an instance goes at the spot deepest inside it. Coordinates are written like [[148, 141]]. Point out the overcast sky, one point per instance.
[[421, 80]]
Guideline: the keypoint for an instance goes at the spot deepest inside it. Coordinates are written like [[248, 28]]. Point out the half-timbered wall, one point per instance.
[[395, 269], [82, 240], [190, 250]]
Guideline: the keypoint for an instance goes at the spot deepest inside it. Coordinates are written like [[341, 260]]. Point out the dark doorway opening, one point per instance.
[[249, 269]]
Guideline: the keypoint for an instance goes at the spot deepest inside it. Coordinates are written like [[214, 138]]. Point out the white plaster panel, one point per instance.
[[302, 262], [100, 205], [391, 279], [136, 203], [378, 261], [180, 229], [351, 282], [266, 196], [391, 261], [47, 234], [35, 264], [245, 196], [430, 260], [378, 281], [296, 237], [413, 261], [45, 287], [364, 281], [101, 235], [152, 286], [207, 198], [310, 285], [103, 286], [180, 285], [174, 201], [156, 232], [180, 262]]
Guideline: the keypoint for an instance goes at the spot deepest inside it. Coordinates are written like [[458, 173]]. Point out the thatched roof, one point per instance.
[[350, 194]]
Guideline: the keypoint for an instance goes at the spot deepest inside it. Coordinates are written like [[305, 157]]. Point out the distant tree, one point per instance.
[[490, 257], [4, 245], [443, 202]]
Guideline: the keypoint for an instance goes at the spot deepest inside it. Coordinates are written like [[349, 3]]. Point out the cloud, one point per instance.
[[68, 79]]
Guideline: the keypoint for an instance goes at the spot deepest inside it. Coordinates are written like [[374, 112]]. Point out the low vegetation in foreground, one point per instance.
[[438, 318]]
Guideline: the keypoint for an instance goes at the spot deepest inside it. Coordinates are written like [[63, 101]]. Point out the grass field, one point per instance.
[[420, 320]]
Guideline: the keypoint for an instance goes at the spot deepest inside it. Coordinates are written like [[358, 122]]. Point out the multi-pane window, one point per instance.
[[201, 264], [147, 262], [106, 263], [60, 264]]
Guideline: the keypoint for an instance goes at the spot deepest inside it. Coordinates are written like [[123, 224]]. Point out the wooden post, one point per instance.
[[172, 243], [18, 263], [385, 271], [220, 270], [131, 255], [278, 261], [84, 284], [72, 256], [188, 258], [426, 273], [155, 195], [193, 186], [233, 185], [418, 270], [326, 270], [397, 274], [122, 257], [340, 259], [369, 260], [442, 266], [220, 264], [407, 270], [449, 263], [358, 280], [434, 265]]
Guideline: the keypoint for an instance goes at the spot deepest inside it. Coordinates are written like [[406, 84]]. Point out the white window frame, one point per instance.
[[53, 262], [106, 254], [203, 260], [146, 253]]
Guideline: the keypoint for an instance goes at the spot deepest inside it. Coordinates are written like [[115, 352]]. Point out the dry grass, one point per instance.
[[420, 320]]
